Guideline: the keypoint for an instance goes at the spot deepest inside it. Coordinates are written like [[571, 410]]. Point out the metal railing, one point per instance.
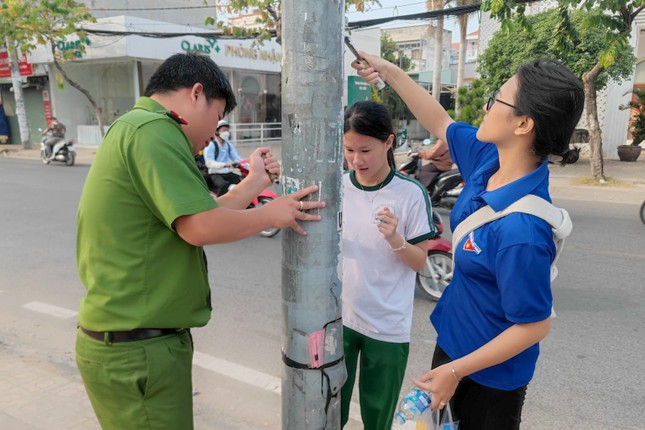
[[256, 133]]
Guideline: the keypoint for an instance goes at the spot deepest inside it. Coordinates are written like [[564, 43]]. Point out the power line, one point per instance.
[[434, 14], [455, 11], [158, 35], [101, 9]]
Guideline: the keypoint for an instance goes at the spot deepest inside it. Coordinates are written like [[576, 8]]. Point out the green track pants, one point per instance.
[[382, 368]]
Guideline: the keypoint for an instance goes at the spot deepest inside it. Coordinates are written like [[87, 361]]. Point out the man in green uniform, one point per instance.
[[143, 217]]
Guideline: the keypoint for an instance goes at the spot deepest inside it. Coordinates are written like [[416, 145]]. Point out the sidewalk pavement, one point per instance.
[[35, 395], [629, 186]]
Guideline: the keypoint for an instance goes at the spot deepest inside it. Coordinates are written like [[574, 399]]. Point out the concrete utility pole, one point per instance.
[[312, 88], [21, 111]]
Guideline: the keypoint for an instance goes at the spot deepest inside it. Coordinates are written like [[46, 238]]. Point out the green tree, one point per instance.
[[637, 109], [391, 53], [614, 24], [270, 17], [29, 23], [508, 50], [471, 98], [398, 109]]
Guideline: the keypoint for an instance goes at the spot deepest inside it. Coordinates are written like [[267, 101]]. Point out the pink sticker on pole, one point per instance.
[[316, 348]]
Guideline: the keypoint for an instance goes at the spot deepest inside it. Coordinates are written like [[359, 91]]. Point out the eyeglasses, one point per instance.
[[493, 98]]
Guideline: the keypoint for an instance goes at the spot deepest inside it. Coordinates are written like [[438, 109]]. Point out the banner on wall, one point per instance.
[[5, 68], [47, 105]]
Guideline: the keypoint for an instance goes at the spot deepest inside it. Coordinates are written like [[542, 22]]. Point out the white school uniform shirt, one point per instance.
[[378, 288]]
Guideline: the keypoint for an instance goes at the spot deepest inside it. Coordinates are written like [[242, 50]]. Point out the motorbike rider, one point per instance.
[[56, 139], [440, 162], [220, 156]]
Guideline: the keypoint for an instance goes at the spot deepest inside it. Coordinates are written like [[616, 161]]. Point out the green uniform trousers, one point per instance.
[[382, 368], [139, 385]]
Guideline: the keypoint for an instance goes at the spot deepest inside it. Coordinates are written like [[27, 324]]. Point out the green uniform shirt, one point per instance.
[[138, 272]]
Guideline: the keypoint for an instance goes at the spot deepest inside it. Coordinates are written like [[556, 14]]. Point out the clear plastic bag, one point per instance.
[[435, 419]]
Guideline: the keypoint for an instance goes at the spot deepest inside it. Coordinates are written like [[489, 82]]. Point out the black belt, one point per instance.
[[128, 336]]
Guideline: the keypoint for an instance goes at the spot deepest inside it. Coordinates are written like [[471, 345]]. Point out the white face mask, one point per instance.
[[226, 135]]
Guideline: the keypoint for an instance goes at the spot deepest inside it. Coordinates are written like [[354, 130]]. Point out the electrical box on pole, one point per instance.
[[312, 131]]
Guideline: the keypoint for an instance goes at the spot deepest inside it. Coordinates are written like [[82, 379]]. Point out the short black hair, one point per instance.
[[184, 70], [554, 98], [372, 119]]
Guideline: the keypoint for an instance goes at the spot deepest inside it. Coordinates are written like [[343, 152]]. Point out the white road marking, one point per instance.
[[237, 372], [214, 364], [54, 311], [252, 377]]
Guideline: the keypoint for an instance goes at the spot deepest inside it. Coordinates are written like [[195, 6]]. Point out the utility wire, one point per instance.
[[434, 14], [455, 11], [101, 9]]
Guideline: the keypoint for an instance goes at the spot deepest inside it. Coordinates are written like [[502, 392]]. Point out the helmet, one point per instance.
[[222, 123]]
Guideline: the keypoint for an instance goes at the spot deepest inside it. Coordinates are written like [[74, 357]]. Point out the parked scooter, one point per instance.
[[437, 273], [65, 153], [444, 188], [643, 213]]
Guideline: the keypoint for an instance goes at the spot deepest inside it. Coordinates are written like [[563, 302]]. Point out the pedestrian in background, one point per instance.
[[144, 215], [498, 306], [220, 156], [386, 227], [440, 161], [56, 137]]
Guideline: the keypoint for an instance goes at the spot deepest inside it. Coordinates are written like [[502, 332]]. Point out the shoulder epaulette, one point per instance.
[[174, 116]]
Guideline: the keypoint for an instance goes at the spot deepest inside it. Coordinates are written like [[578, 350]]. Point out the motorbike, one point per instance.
[[437, 273], [444, 188], [263, 198], [242, 170], [65, 154], [643, 213]]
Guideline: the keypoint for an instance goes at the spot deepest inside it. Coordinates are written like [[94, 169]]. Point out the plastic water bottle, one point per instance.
[[412, 405]]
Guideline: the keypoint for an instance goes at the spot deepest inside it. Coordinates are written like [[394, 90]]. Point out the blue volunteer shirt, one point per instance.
[[502, 273]]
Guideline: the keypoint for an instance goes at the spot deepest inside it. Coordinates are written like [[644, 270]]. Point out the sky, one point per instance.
[[406, 7]]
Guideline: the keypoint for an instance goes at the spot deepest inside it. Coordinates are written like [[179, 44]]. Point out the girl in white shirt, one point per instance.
[[386, 225]]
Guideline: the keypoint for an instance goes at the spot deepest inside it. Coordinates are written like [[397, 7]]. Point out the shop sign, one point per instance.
[[232, 50], [205, 48], [241, 51], [5, 67], [357, 90], [47, 105], [73, 45]]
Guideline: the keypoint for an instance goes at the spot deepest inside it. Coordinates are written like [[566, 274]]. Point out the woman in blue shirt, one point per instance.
[[497, 308]]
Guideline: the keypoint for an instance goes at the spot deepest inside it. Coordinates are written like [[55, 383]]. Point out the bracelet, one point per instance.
[[452, 369], [400, 247]]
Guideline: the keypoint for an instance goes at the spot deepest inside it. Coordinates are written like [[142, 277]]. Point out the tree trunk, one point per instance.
[[97, 109], [21, 112], [595, 139], [438, 56], [462, 20], [277, 18]]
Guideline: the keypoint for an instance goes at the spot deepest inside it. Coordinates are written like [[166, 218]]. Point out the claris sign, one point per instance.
[[73, 45], [237, 50], [207, 47]]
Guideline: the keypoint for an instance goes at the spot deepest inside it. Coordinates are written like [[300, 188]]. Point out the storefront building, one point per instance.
[[115, 70]]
